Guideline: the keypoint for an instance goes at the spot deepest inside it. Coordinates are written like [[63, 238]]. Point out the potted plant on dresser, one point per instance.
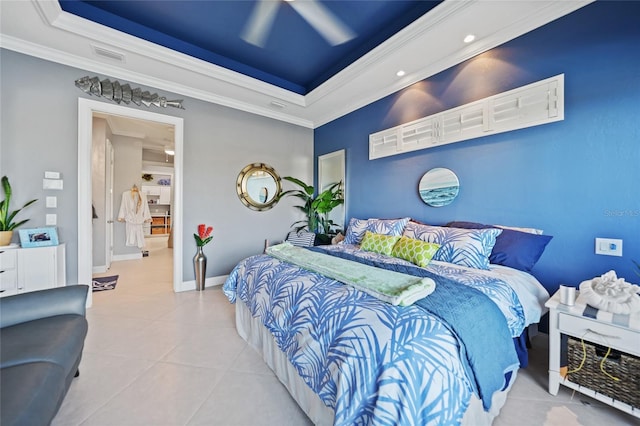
[[7, 225]]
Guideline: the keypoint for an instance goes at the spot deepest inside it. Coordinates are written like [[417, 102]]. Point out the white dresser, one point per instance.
[[30, 269]]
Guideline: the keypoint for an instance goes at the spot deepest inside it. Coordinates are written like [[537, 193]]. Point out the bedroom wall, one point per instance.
[[575, 179], [39, 126]]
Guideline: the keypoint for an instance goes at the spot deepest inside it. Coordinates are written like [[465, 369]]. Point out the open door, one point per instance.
[[109, 203]]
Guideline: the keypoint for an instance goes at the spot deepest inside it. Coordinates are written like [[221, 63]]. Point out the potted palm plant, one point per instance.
[[7, 225], [315, 207]]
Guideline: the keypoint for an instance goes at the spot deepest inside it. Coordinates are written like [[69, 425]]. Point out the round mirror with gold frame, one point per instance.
[[258, 186]]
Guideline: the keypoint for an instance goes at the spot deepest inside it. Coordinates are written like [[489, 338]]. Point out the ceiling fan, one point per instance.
[[317, 15]]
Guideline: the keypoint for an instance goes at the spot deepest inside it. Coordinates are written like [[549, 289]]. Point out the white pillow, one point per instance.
[[527, 230]]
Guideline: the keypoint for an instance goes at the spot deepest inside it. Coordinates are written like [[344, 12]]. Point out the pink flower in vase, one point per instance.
[[204, 235]]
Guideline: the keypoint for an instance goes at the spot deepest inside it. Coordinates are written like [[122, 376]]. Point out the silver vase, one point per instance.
[[200, 266]]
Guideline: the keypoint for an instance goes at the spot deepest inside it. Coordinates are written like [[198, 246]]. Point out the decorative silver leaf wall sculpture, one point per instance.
[[123, 93]]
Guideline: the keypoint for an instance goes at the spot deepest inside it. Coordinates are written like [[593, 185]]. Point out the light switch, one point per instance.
[[52, 202], [609, 246], [52, 184], [51, 219]]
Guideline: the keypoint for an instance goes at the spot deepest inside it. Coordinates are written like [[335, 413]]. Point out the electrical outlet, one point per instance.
[[609, 246]]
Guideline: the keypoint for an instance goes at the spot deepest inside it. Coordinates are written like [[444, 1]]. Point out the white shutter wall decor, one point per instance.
[[531, 105], [385, 143]]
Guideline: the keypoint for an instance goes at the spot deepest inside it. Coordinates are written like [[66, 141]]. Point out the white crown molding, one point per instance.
[[418, 28], [87, 64], [541, 14], [67, 39], [62, 20]]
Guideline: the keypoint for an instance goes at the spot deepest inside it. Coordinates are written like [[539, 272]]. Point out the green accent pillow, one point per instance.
[[378, 243], [415, 251]]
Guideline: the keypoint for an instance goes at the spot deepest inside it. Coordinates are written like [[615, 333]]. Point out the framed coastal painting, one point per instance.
[[38, 237], [439, 187]]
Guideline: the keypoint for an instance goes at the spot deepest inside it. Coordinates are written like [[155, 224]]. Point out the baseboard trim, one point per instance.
[[132, 256], [99, 269], [208, 282]]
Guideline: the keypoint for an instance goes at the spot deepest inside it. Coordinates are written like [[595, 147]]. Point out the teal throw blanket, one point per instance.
[[389, 286]]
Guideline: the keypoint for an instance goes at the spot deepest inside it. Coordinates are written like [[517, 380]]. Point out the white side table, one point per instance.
[[621, 332]]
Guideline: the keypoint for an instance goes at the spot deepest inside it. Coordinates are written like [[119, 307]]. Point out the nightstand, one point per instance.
[[620, 332]]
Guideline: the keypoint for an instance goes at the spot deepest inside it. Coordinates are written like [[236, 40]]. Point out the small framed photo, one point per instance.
[[38, 237]]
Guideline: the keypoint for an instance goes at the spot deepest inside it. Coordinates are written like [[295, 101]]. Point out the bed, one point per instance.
[[347, 357]]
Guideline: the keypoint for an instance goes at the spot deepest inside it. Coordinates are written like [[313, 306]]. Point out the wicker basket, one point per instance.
[[624, 366]]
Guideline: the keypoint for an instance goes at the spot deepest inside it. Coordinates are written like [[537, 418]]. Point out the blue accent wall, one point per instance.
[[576, 179]]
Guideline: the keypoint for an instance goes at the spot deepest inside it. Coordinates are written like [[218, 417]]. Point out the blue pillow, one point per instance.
[[465, 247], [357, 228], [515, 249]]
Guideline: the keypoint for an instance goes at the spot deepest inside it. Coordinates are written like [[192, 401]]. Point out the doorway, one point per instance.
[[127, 152], [86, 110]]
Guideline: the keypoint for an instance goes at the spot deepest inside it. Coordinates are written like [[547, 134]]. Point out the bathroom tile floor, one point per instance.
[[155, 357]]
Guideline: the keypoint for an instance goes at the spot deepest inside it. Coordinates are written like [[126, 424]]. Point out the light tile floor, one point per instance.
[[154, 357]]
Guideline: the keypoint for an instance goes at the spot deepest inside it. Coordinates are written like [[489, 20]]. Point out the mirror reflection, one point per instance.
[[439, 187], [263, 194], [331, 169], [258, 186]]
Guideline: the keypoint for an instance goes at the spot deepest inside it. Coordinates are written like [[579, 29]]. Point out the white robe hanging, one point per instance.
[[134, 211]]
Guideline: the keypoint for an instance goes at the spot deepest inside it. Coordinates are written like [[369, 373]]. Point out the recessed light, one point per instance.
[[400, 73], [469, 38]]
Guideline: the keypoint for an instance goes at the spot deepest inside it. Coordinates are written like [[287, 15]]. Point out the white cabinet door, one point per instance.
[[8, 272], [150, 190], [40, 268], [165, 195]]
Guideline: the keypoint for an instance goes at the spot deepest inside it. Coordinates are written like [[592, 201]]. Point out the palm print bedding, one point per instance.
[[371, 362]]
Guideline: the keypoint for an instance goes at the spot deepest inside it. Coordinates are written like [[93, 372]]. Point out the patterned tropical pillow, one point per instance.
[[415, 251], [355, 231], [515, 249], [378, 243], [357, 228], [465, 247]]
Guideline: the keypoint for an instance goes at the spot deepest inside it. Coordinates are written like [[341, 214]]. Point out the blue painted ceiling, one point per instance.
[[295, 56]]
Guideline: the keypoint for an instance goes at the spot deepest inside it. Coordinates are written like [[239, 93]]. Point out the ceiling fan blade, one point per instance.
[[326, 23], [260, 22]]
